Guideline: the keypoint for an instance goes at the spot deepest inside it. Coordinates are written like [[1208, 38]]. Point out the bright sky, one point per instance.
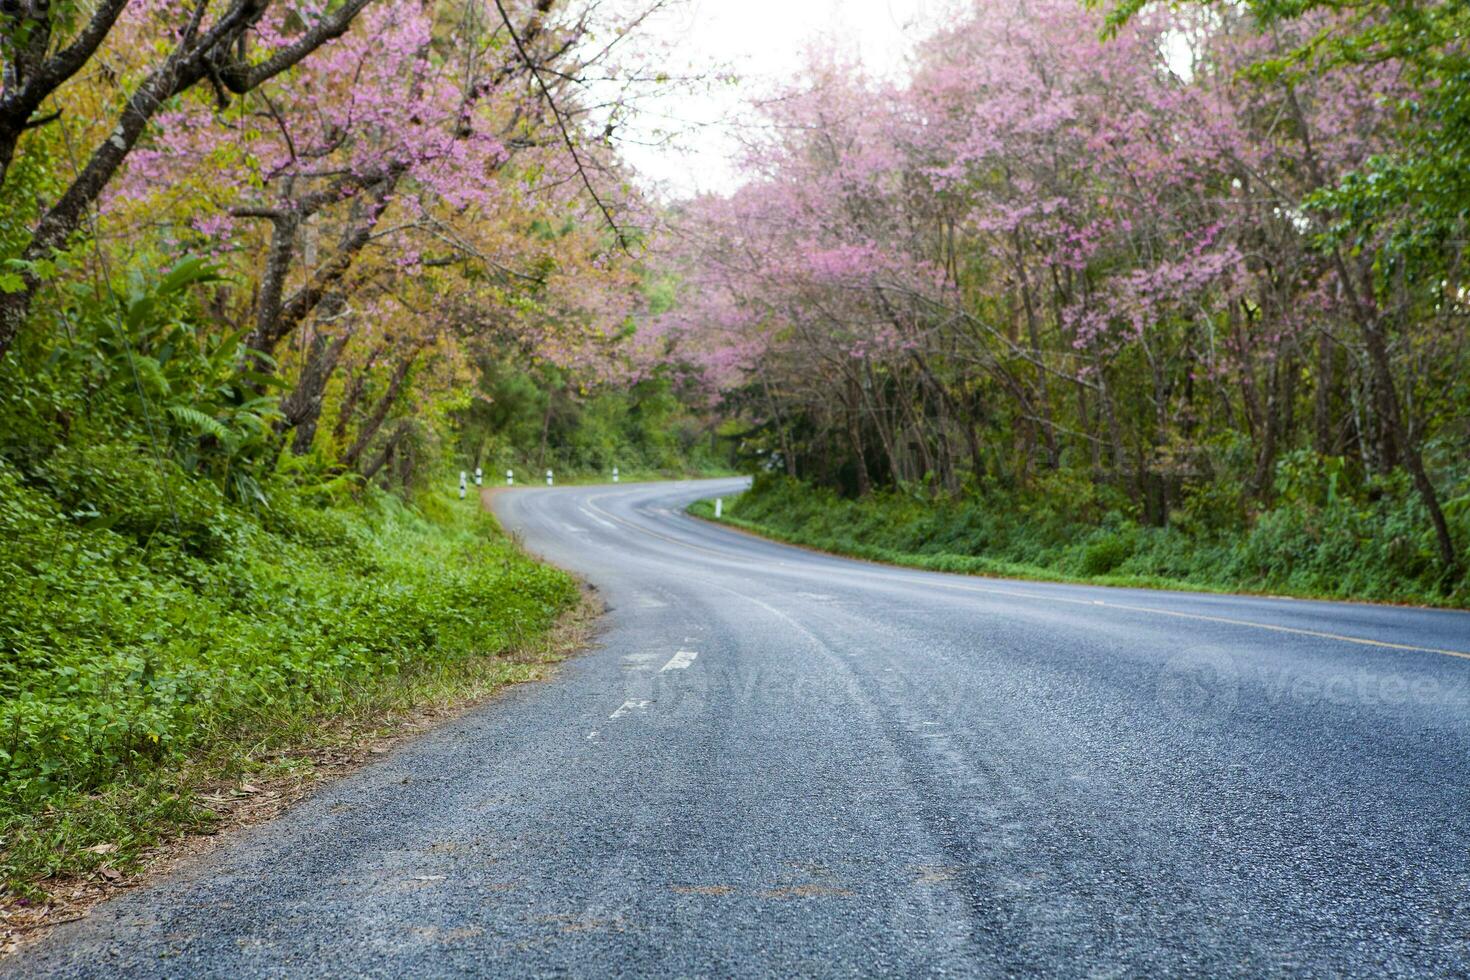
[[761, 41]]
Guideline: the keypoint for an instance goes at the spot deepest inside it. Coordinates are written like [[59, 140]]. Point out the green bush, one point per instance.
[[1330, 534], [173, 581], [1105, 551], [130, 638]]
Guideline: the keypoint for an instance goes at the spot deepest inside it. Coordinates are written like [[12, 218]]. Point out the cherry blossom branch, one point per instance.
[[561, 126]]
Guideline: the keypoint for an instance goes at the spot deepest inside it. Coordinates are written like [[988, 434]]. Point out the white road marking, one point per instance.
[[681, 661], [629, 706], [607, 524], [591, 736], [639, 661], [574, 529]]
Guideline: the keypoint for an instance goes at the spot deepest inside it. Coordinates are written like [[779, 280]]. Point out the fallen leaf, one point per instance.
[[247, 788], [101, 849], [111, 874]]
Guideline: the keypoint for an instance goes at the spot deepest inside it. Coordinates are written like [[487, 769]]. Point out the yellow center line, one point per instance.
[[1014, 593]]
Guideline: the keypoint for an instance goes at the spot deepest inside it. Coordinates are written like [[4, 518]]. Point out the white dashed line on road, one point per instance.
[[629, 706], [681, 661]]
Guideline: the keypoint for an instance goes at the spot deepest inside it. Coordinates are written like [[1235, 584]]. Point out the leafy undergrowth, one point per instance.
[[1378, 551], [177, 643]]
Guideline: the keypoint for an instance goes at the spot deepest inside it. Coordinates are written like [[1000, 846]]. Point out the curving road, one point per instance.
[[779, 762]]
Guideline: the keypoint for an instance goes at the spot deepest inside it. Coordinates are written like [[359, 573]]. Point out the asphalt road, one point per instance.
[[779, 762]]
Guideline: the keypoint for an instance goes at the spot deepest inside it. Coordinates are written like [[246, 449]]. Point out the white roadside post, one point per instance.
[[719, 507], [550, 480], [463, 480], [479, 477], [615, 474], [510, 478]]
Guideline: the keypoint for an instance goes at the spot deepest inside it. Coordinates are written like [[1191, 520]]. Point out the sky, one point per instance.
[[761, 42]]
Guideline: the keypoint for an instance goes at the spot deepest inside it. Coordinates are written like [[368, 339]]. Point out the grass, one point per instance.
[[163, 684], [1300, 551], [123, 827], [957, 564]]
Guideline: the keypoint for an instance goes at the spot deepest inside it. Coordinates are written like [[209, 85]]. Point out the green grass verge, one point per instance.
[[147, 660], [958, 564], [1298, 555]]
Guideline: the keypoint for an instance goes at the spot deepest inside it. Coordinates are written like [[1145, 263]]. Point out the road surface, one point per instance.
[[779, 762]]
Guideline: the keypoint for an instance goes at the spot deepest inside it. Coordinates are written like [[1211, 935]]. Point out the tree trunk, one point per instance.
[[303, 407], [852, 409], [1408, 442], [545, 431], [1033, 334], [1364, 309], [380, 411], [1322, 398], [385, 454]]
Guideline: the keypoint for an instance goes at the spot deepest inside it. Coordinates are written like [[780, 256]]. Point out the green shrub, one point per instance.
[[126, 640], [1105, 551], [1330, 534]]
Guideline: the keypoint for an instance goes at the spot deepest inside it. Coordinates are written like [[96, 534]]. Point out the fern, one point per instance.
[[201, 422]]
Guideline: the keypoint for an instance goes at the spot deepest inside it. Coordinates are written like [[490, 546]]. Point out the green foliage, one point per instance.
[[644, 428], [1418, 195], [31, 179], [1328, 535], [1106, 550], [120, 656], [140, 364], [174, 583]]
